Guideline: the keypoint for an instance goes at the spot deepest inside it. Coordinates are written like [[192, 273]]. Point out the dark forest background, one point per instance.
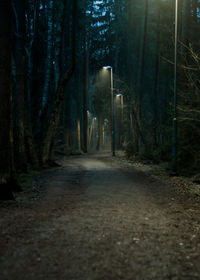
[[54, 96]]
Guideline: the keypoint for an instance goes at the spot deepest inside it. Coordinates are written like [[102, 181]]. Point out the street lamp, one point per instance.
[[121, 101], [120, 95], [120, 106], [174, 129], [112, 107]]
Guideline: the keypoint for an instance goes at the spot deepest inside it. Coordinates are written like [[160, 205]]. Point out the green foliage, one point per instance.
[[130, 150], [149, 152]]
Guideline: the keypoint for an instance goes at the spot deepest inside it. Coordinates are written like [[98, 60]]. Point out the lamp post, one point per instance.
[[112, 107], [174, 128], [120, 101]]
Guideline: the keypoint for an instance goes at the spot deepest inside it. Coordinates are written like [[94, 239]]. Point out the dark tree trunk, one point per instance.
[[85, 92], [19, 94], [156, 81], [85, 80], [99, 139], [49, 56], [141, 71], [50, 135], [6, 140], [31, 60]]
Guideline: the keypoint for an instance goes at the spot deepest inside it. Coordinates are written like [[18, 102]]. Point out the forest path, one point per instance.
[[98, 219]]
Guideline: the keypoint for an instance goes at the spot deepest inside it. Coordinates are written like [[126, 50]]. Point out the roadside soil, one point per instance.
[[99, 218]]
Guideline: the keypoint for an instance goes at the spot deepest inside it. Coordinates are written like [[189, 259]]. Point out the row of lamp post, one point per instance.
[[174, 128], [112, 107]]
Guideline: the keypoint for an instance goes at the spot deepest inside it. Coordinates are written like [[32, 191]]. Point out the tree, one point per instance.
[[141, 68], [19, 87], [54, 120], [85, 78], [6, 137]]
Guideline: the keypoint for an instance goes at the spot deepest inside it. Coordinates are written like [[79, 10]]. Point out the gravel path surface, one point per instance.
[[99, 219]]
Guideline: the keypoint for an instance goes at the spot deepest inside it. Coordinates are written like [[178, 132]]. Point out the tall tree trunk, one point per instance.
[[19, 96], [49, 139], [141, 70], [99, 139], [85, 80], [79, 135], [156, 80], [49, 54], [85, 92], [6, 140], [32, 29]]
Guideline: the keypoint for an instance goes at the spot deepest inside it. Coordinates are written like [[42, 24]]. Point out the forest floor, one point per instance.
[[102, 218]]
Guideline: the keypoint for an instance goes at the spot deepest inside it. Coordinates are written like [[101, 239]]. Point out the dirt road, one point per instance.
[[97, 219]]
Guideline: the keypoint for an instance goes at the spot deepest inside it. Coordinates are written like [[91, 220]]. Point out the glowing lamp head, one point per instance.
[[107, 67]]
